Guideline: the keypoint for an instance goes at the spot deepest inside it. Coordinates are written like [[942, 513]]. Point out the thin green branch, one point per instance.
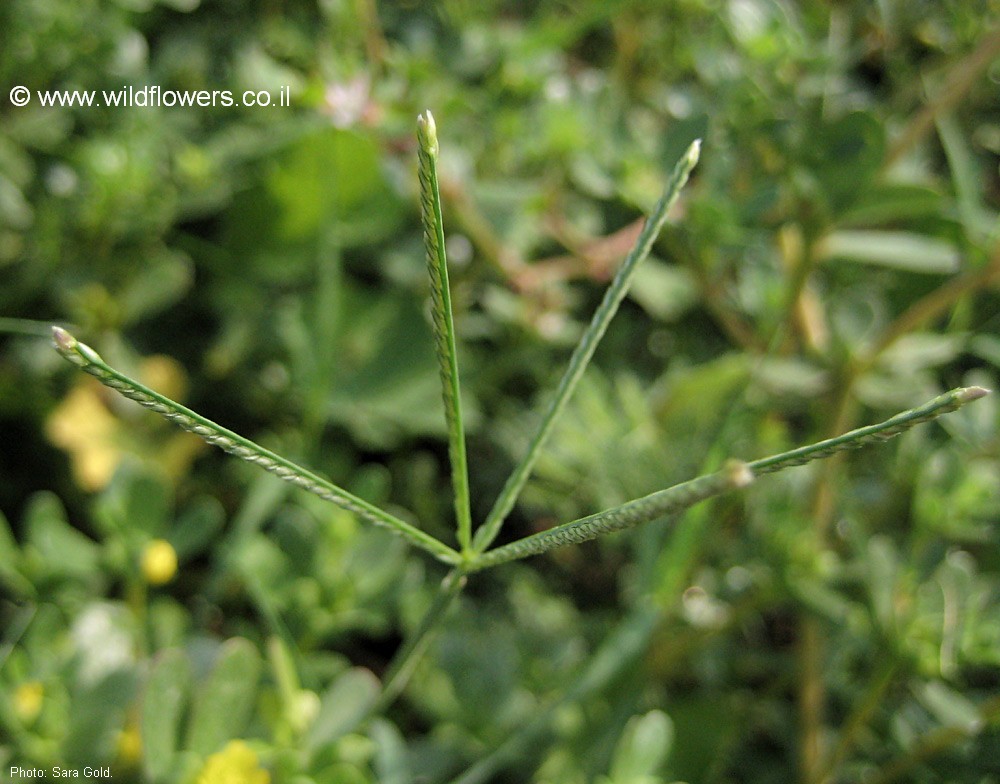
[[444, 327], [585, 348], [88, 360]]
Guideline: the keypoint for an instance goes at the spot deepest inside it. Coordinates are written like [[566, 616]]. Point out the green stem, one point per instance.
[[88, 360], [810, 698], [407, 658], [444, 327], [585, 348]]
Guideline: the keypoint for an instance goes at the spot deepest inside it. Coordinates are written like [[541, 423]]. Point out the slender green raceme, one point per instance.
[[88, 360], [444, 327], [584, 350], [642, 510], [734, 475], [863, 436]]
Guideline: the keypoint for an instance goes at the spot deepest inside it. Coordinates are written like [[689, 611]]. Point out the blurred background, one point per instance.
[[177, 615]]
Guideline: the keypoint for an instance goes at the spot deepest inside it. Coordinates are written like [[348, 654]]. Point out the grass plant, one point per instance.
[[471, 551], [357, 600]]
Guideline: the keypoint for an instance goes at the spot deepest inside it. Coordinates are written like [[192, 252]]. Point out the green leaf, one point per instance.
[[950, 707], [643, 747], [786, 377], [162, 707], [340, 773], [889, 202], [921, 350], [226, 699], [979, 221], [902, 250], [845, 155], [342, 707], [391, 763], [10, 560], [386, 385], [55, 547], [97, 714], [707, 722], [197, 526], [135, 501], [665, 292], [333, 176], [166, 276]]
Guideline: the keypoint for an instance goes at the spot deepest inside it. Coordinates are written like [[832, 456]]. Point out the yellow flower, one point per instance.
[[159, 562], [83, 426], [96, 440], [28, 701], [235, 764], [129, 746]]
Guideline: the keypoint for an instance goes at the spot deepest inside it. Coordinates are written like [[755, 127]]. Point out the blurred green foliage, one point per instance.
[[835, 259]]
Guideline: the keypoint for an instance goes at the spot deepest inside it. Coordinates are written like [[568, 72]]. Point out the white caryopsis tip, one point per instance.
[[737, 473], [63, 340], [427, 132], [693, 153], [76, 352], [972, 393]]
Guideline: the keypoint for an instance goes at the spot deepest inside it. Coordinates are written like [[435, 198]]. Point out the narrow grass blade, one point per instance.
[[642, 510], [88, 360], [863, 436], [444, 327], [585, 348], [16, 326]]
